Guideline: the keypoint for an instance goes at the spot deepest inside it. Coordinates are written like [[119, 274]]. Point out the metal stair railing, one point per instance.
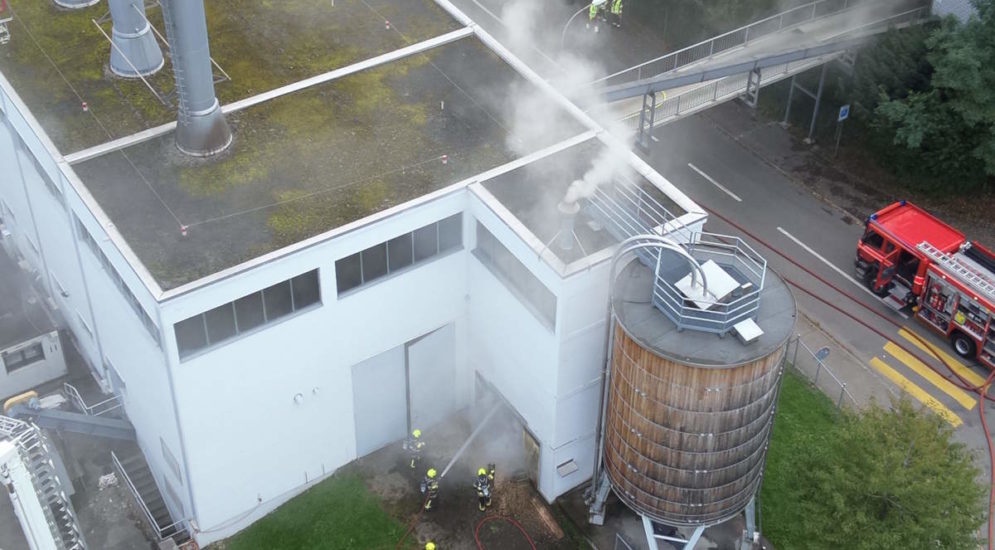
[[977, 281], [103, 407], [161, 532], [729, 40], [58, 510], [626, 210]]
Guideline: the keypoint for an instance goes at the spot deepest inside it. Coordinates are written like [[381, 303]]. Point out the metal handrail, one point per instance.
[[732, 86], [141, 503], [96, 409], [689, 53]]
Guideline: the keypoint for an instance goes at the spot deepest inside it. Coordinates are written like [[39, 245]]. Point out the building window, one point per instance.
[[84, 235], [13, 360], [173, 496], [399, 253], [515, 276], [84, 324], [247, 313], [167, 455]]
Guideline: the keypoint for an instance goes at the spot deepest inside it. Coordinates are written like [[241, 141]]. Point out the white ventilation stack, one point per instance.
[[201, 129], [135, 52]]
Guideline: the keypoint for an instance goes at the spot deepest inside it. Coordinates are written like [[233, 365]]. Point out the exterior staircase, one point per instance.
[[36, 452], [138, 478]]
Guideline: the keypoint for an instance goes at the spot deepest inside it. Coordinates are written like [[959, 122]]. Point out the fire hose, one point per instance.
[[476, 532], [963, 383]]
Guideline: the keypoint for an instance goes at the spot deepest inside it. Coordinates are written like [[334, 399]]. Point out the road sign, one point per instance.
[[822, 354], [844, 113]]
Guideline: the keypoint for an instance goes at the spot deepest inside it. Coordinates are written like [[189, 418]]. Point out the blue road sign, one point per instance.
[[822, 354], [844, 113]]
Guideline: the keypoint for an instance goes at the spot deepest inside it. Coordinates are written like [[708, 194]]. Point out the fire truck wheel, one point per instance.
[[963, 345]]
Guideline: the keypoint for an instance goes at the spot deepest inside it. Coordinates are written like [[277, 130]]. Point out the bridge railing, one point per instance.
[[675, 106], [729, 40]]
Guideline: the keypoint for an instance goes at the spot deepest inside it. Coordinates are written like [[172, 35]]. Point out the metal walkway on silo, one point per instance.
[[739, 62]]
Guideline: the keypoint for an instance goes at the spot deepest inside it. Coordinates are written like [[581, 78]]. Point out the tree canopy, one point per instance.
[[936, 101], [887, 478]]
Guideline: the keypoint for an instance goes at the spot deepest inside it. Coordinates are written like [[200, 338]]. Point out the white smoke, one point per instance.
[[531, 118]]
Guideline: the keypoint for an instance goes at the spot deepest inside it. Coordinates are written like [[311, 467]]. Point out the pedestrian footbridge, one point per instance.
[[739, 62]]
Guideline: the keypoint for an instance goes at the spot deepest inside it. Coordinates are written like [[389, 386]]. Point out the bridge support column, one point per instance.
[[752, 94], [816, 95], [646, 119]]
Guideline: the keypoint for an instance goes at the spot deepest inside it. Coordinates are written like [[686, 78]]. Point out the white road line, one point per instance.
[[654, 139], [715, 183], [834, 268]]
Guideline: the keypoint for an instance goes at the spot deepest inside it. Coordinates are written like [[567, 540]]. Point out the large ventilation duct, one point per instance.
[[135, 52], [201, 129], [75, 4]]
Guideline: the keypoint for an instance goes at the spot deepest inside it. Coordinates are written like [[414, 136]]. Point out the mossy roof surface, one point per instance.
[[57, 58], [308, 162], [533, 192]]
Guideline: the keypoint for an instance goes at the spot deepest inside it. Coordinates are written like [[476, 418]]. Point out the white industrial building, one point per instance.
[[254, 359]]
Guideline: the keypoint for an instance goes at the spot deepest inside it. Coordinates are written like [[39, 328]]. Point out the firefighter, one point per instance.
[[615, 12], [484, 486], [415, 446], [593, 13], [430, 488]]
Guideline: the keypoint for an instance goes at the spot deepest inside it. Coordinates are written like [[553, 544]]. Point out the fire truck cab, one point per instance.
[[888, 259]]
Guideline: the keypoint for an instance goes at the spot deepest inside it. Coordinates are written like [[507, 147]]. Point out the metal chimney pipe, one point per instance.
[[133, 40], [568, 216], [201, 129], [75, 4]]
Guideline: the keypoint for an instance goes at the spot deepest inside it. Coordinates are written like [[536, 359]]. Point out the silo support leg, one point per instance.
[[650, 534], [694, 537], [751, 524], [596, 514]]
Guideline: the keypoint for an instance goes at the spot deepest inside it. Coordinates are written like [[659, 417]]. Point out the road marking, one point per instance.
[[834, 268], [944, 357], [654, 139], [916, 392], [944, 385], [715, 183]]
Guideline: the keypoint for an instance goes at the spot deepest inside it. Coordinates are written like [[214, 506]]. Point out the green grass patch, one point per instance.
[[806, 419], [337, 513]]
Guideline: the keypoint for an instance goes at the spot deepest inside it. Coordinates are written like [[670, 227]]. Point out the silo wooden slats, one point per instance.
[[685, 445]]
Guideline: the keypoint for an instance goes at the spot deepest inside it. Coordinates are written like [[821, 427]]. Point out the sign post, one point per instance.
[[843, 115]]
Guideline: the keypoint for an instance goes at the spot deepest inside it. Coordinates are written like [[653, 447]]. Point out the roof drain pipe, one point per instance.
[[201, 129], [134, 47]]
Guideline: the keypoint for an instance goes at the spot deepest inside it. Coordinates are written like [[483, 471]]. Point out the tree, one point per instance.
[[889, 479], [950, 125]]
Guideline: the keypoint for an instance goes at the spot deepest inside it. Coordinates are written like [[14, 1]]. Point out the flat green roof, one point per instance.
[[305, 163], [57, 58]]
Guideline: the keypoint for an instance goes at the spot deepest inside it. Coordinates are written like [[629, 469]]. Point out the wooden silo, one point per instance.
[[688, 415]]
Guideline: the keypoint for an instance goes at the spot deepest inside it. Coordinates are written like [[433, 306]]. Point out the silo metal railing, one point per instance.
[[627, 210]]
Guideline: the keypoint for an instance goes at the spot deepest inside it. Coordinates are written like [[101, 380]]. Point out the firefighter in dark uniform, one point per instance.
[[430, 488], [415, 446], [484, 485]]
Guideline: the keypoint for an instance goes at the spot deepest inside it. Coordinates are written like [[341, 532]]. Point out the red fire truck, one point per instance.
[[912, 259]]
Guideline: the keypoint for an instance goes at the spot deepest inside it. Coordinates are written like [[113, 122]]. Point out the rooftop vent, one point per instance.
[[201, 129], [134, 52]]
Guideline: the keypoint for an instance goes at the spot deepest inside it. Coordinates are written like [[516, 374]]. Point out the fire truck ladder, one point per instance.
[[980, 282]]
